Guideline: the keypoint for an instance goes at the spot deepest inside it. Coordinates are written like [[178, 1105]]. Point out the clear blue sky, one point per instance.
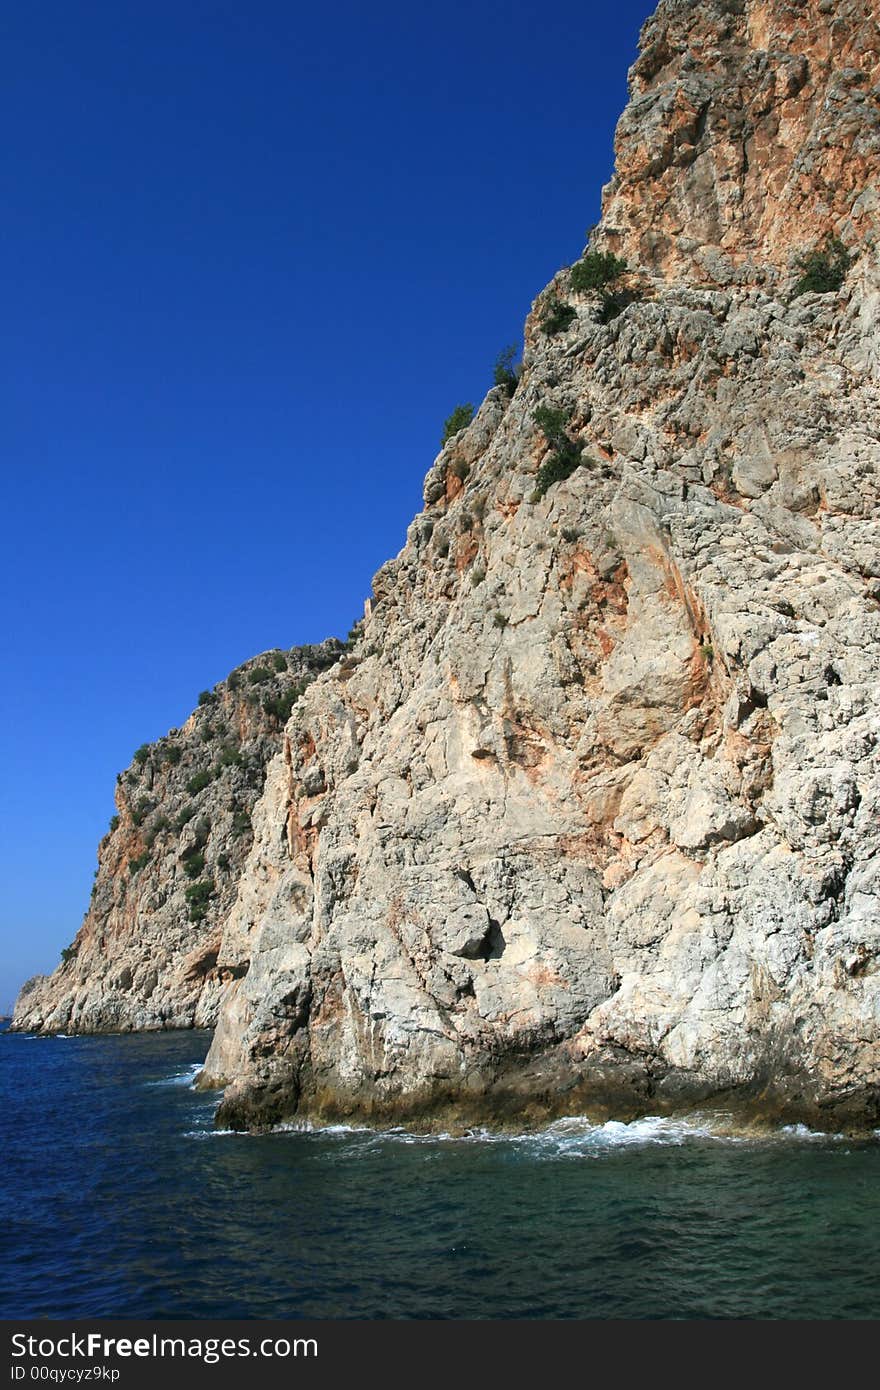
[[253, 254]]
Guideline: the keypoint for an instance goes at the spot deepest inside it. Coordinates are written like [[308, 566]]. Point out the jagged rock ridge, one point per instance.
[[590, 816], [168, 868]]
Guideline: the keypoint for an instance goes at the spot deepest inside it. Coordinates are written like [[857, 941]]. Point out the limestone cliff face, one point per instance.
[[751, 126], [589, 816], [146, 954]]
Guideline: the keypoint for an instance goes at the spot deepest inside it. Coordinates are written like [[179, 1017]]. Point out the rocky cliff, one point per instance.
[[168, 868], [751, 128], [589, 818]]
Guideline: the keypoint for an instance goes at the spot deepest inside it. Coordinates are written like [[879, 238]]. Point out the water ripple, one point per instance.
[[108, 1207]]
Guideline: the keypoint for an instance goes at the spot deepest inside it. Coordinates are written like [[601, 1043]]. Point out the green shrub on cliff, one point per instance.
[[68, 954], [505, 372], [193, 863], [141, 809], [824, 269], [199, 782], [557, 316], [556, 468], [565, 456], [553, 423], [460, 417], [159, 826], [184, 816], [279, 706], [595, 270], [198, 896], [229, 757], [613, 302]]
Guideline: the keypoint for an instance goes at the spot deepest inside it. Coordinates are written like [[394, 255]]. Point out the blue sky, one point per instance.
[[252, 257]]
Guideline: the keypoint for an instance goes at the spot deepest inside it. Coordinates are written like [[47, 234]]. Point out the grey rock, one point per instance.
[[611, 839]]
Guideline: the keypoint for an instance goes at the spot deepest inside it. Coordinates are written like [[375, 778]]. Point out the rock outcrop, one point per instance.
[[168, 868], [751, 126], [589, 816]]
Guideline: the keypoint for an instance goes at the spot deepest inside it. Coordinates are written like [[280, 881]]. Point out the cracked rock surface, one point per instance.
[[590, 814]]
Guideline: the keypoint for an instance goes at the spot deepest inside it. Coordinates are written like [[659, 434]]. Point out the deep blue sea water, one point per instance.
[[119, 1199]]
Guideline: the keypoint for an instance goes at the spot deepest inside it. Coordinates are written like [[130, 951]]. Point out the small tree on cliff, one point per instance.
[[460, 417]]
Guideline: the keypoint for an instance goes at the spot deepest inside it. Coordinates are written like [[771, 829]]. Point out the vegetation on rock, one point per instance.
[[557, 316], [198, 783], [506, 369], [595, 270], [566, 455], [198, 897], [824, 269], [458, 420]]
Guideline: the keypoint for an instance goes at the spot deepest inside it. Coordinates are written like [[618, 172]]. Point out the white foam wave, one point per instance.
[[40, 1037], [179, 1078], [574, 1136], [312, 1127], [804, 1132]]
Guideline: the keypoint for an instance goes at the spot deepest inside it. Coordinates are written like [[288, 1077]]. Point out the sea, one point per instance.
[[120, 1198]]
